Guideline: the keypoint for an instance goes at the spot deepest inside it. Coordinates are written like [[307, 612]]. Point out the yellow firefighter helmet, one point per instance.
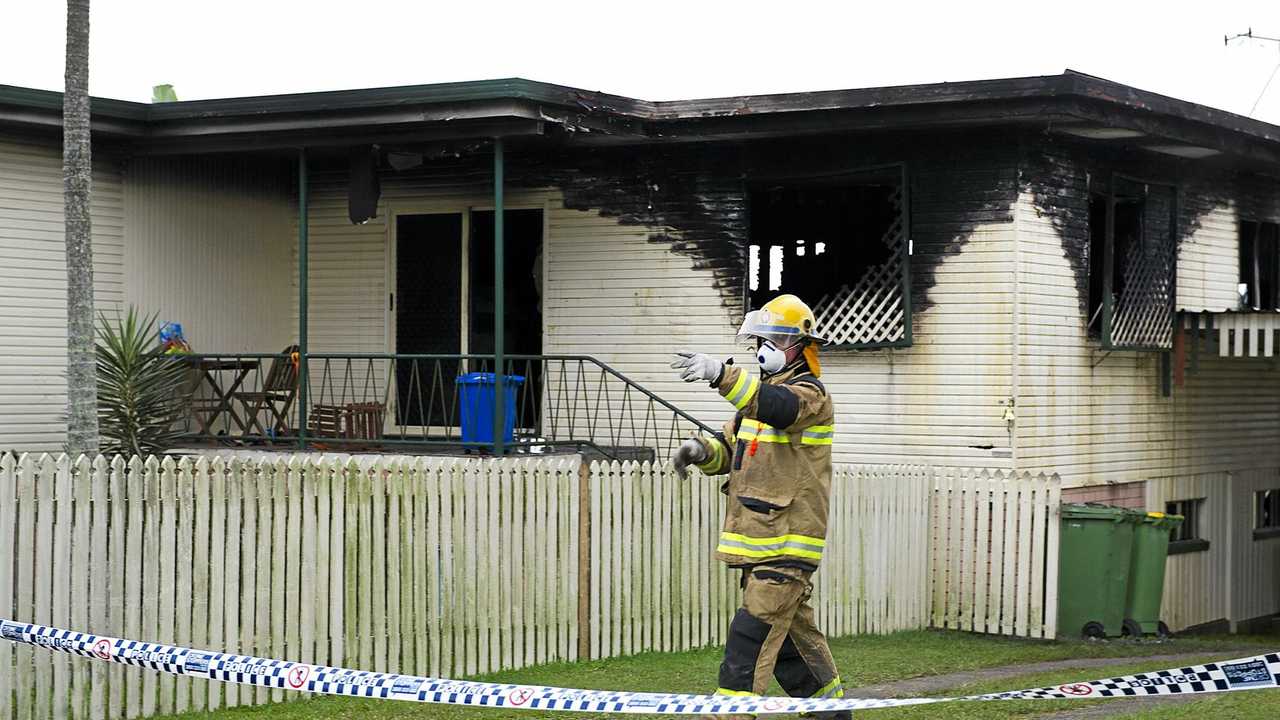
[[783, 321]]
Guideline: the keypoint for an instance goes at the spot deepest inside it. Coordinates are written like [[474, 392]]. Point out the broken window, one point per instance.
[[1132, 255], [841, 245], [1259, 265]]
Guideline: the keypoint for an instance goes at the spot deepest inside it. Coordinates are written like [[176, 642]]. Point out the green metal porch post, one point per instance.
[[499, 303], [302, 299]]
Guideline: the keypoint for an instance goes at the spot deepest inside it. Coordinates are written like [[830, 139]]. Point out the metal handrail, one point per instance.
[[377, 399], [512, 358]]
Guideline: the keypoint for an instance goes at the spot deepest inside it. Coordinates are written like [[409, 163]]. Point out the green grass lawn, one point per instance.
[[863, 660]]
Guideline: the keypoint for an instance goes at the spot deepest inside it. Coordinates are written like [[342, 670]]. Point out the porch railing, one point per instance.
[[396, 402]]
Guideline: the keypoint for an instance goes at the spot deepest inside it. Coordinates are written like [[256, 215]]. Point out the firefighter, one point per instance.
[[776, 452]]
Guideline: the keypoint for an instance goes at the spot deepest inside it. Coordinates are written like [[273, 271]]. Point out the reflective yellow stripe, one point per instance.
[[761, 554], [818, 435], [743, 390], [830, 690], [795, 545], [717, 457], [812, 435], [735, 693], [756, 430], [807, 539]]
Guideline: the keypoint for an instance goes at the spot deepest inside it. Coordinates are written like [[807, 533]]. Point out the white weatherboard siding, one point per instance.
[[33, 285], [1238, 578], [1227, 417], [1197, 585], [631, 303], [1085, 414], [208, 246], [1208, 261], [1255, 569]]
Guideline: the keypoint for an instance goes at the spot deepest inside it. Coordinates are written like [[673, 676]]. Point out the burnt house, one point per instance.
[[1058, 274]]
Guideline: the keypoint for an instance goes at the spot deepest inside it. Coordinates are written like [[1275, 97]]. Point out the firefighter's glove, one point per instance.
[[698, 366], [691, 452]]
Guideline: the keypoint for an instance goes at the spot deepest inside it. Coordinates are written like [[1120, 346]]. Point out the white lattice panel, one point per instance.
[[873, 311]]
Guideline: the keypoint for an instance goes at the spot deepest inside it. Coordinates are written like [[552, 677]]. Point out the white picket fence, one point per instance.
[[451, 567], [656, 585], [995, 560]]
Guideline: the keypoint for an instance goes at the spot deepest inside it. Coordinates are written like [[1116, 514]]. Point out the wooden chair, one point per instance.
[[325, 421], [203, 408], [365, 420], [277, 395]]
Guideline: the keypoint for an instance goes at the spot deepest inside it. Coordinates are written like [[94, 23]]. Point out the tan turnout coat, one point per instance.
[[777, 454]]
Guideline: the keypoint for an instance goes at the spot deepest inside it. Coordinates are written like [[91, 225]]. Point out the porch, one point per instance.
[[426, 404]]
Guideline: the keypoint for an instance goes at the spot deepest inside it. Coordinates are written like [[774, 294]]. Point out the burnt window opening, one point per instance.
[[841, 246], [1259, 265], [1097, 250], [1132, 256], [1127, 239]]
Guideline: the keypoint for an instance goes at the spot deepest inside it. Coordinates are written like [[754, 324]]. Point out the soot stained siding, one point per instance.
[[693, 197], [1059, 172], [694, 191], [1259, 198]]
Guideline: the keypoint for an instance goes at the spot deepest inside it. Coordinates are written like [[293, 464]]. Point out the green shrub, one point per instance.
[[142, 392]]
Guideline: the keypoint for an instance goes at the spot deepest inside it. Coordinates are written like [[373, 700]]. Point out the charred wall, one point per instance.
[[694, 197], [1060, 173]]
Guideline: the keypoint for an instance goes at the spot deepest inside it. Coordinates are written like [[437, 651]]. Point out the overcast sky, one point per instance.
[[655, 50]]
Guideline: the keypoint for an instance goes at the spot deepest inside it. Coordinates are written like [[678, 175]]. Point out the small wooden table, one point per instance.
[[207, 410]]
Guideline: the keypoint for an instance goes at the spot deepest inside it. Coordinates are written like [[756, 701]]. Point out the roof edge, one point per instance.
[[46, 106]]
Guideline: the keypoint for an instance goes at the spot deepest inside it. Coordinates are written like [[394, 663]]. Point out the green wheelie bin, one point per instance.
[[1146, 573], [1093, 569]]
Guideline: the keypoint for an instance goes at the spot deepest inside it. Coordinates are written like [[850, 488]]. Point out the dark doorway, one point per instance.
[[428, 316], [522, 240]]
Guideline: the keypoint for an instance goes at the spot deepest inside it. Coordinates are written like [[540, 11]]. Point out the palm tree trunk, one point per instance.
[[82, 385]]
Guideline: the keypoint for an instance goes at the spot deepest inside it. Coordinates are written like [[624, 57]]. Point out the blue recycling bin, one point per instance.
[[475, 396]]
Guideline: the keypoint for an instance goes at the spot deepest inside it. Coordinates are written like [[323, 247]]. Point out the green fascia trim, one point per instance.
[[51, 100]]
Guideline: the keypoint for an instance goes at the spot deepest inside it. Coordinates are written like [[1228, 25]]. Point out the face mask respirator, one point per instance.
[[771, 358]]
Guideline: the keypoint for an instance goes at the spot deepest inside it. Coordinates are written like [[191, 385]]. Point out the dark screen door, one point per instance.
[[428, 317], [522, 242]]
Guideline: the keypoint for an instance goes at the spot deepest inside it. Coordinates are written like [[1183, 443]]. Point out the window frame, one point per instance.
[[1259, 224], [1185, 543], [1109, 259], [1266, 532], [907, 251]]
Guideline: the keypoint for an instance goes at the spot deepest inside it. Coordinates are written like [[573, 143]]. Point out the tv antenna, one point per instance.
[[1248, 35]]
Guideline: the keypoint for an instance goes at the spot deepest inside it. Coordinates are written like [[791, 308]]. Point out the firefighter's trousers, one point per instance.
[[773, 635]]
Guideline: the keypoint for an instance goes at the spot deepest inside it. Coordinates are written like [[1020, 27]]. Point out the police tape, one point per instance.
[[1251, 673]]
